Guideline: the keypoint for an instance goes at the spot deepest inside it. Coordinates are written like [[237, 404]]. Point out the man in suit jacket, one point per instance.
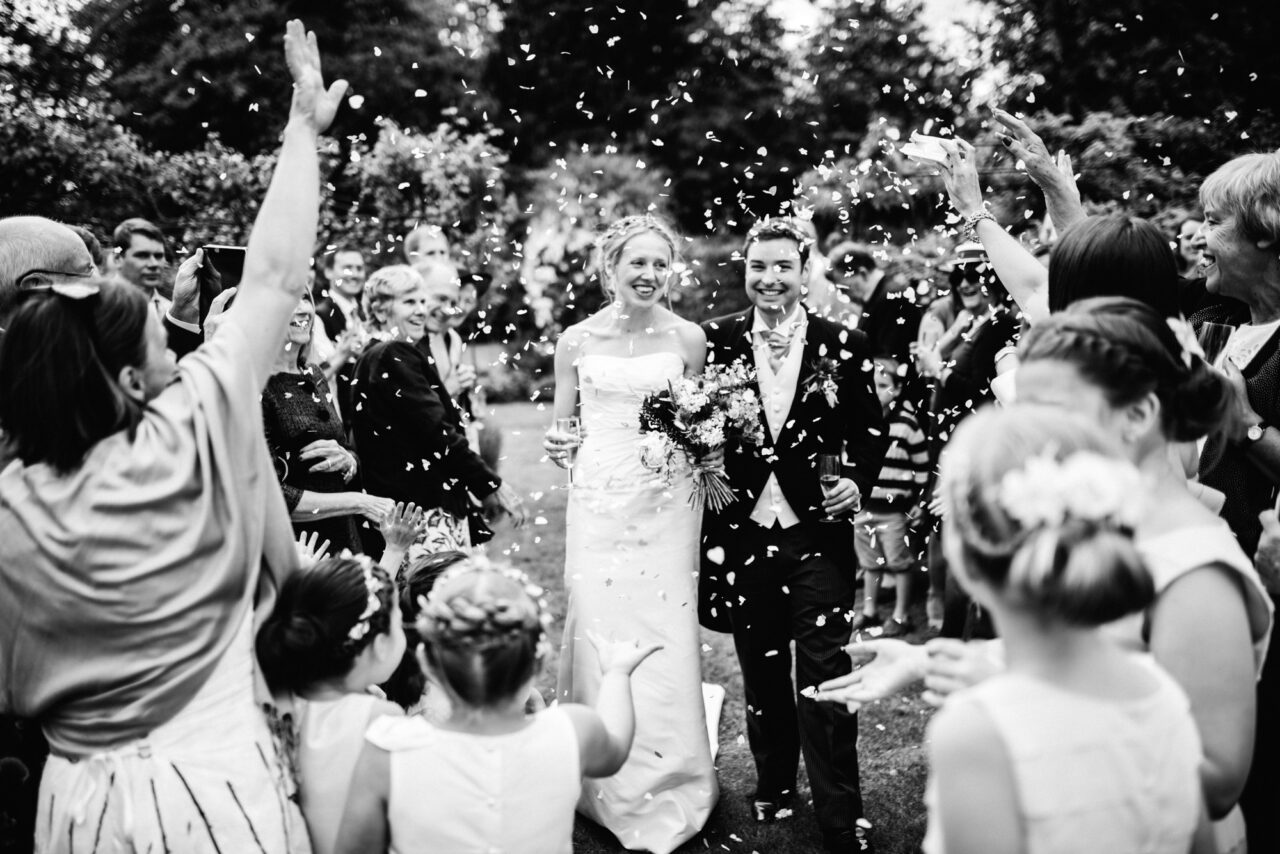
[[773, 572]]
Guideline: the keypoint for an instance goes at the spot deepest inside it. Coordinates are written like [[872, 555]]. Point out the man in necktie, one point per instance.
[[773, 573]]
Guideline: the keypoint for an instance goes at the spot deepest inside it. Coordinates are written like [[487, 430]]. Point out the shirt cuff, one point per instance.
[[193, 328]]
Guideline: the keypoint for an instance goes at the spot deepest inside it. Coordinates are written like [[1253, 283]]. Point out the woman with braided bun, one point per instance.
[[632, 538], [1079, 742], [1139, 377], [334, 634], [491, 777]]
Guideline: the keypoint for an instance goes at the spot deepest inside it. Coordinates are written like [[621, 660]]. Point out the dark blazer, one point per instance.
[[891, 323], [181, 341], [408, 432], [1226, 466], [331, 317], [855, 426]]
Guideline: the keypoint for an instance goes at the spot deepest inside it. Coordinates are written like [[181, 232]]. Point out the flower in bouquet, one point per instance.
[[696, 416]]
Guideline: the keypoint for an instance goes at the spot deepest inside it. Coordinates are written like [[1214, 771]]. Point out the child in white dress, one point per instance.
[[1080, 745], [334, 635], [490, 777]]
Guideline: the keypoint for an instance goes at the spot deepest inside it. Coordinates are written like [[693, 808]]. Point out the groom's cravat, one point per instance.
[[779, 343]]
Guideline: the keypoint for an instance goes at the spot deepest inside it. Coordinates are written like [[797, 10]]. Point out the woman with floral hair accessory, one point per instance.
[[1079, 738], [334, 635], [491, 777], [632, 538]]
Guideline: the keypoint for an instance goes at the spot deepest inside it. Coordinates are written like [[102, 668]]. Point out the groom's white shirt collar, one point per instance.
[[797, 319]]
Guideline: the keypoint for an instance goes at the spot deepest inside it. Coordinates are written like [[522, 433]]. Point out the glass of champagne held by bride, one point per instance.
[[571, 426]]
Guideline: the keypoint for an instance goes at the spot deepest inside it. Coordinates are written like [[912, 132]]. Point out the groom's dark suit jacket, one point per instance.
[[855, 426]]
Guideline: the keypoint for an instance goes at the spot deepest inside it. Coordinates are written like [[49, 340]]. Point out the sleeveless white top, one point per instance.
[[1091, 774], [489, 794]]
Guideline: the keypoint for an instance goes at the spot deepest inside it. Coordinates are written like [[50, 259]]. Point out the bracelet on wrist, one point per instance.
[[971, 224]]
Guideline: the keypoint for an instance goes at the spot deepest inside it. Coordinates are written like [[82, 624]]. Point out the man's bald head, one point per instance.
[[34, 243]]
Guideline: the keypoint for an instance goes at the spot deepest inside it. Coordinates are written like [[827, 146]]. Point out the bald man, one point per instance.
[[34, 249]]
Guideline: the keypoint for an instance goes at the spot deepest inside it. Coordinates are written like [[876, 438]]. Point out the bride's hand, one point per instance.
[[713, 460], [558, 444]]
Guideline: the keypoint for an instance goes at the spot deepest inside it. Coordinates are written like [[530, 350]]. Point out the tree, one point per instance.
[[872, 58], [181, 72], [41, 54], [567, 72], [1189, 58]]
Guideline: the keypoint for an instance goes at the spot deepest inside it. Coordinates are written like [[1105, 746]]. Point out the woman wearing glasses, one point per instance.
[[141, 525]]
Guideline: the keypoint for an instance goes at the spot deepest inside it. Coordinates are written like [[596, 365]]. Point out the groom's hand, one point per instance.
[[845, 497]]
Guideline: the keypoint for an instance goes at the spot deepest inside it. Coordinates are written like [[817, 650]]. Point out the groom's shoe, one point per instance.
[[767, 812], [854, 841]]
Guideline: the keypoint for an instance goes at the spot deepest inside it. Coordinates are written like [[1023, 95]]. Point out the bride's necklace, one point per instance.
[[630, 335]]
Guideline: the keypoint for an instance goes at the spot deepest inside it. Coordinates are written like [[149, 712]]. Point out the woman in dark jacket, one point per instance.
[[407, 428], [317, 470]]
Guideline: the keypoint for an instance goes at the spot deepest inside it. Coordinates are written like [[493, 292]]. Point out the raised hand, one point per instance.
[[186, 289], [313, 104], [888, 666], [960, 175], [1052, 173], [621, 656], [309, 553], [401, 525]]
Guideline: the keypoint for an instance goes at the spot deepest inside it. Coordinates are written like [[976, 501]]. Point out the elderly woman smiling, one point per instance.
[[408, 429]]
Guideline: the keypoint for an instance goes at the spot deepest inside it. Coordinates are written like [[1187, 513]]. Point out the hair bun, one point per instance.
[[1200, 403]]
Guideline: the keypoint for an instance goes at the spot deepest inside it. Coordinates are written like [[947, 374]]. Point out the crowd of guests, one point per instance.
[[1070, 478]]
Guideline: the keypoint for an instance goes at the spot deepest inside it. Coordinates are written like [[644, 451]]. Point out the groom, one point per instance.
[[772, 571]]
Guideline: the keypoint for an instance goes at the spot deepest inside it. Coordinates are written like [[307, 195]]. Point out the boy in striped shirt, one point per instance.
[[881, 530]]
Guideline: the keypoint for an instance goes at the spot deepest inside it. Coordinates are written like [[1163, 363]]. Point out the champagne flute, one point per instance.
[[1213, 339], [572, 425], [829, 473]]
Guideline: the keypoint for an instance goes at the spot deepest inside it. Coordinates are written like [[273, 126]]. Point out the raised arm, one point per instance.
[[275, 266], [1023, 276], [1052, 175], [605, 733]]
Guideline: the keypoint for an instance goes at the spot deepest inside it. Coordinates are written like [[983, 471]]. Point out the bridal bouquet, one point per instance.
[[694, 416]]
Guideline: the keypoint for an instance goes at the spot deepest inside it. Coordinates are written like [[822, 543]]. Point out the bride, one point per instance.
[[631, 550]]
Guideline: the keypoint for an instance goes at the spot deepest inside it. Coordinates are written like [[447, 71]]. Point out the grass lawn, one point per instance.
[[892, 732]]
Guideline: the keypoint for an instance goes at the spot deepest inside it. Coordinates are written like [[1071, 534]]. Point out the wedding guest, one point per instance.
[[316, 467], [93, 245], [881, 533], [426, 243], [35, 250], [407, 428], [339, 307], [414, 690], [885, 316], [133, 647], [1077, 739], [141, 259], [1188, 246], [491, 777], [335, 633], [1137, 376], [1241, 259]]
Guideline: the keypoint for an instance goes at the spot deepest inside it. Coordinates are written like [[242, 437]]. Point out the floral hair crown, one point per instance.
[[461, 621], [373, 586], [1086, 486]]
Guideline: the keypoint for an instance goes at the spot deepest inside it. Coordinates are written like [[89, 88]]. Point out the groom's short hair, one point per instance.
[[779, 228]]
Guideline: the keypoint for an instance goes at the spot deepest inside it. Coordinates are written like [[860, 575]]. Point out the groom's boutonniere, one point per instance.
[[824, 379]]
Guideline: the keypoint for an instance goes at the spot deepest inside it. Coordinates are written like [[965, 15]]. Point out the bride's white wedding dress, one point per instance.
[[631, 571]]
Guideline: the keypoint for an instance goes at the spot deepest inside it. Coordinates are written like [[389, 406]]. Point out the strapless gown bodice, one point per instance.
[[611, 389]]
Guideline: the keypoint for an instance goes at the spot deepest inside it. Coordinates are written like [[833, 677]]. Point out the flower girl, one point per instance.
[[334, 634], [1080, 744], [490, 777]]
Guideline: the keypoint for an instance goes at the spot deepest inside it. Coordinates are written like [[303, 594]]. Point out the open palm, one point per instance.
[[312, 102]]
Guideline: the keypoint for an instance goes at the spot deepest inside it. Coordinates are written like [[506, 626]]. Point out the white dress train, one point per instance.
[[631, 571]]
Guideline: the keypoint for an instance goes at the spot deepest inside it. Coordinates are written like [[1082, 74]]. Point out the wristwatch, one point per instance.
[[1255, 431]]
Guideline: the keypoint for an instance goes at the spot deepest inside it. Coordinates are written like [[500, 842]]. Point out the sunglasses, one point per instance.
[[55, 281]]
